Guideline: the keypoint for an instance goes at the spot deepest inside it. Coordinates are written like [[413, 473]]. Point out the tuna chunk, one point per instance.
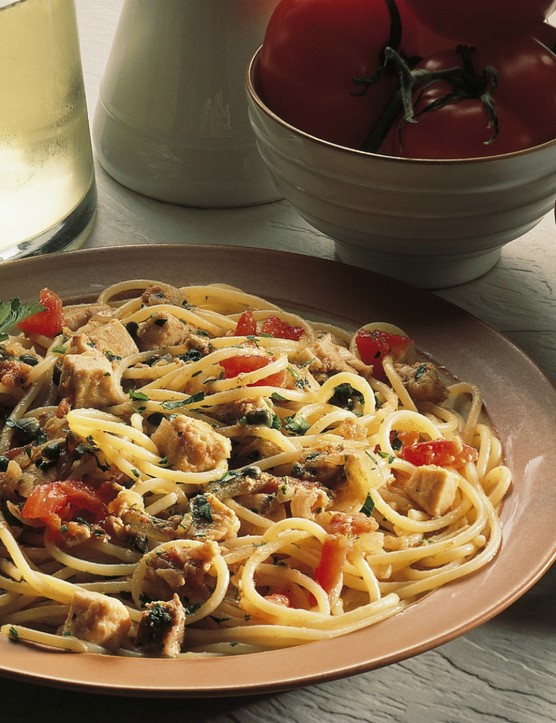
[[98, 619], [162, 294], [432, 488], [179, 569], [107, 336], [326, 357], [77, 317], [209, 519], [190, 444], [161, 330], [422, 381], [161, 628], [87, 380]]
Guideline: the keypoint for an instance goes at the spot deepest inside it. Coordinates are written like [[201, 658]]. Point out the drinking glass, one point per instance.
[[47, 185]]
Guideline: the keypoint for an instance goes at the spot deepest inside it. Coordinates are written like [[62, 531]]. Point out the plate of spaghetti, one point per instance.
[[228, 470]]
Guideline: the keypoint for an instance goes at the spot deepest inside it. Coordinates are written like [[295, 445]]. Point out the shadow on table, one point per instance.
[[25, 703], [534, 611]]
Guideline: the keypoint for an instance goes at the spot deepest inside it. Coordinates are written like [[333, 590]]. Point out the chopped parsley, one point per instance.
[[421, 371], [201, 508], [183, 402], [346, 396], [368, 506], [138, 396], [296, 425]]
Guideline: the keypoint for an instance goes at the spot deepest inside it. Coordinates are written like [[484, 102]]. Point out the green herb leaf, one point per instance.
[[368, 506], [296, 425], [138, 396], [421, 370], [201, 508], [183, 402], [346, 396], [14, 311]]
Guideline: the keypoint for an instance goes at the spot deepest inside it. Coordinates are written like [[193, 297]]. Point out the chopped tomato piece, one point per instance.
[[271, 326], [48, 322], [246, 324], [440, 452], [280, 329], [374, 345], [54, 503], [249, 363], [333, 555]]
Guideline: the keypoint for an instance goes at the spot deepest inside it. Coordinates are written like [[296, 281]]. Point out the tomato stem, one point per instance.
[[395, 39], [464, 83]]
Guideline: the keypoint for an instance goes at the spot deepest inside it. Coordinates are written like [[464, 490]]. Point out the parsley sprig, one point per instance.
[[14, 311]]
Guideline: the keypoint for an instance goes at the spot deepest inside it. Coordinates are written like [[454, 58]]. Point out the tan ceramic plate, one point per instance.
[[520, 401]]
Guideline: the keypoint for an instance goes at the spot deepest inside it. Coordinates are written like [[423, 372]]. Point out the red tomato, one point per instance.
[[418, 40], [440, 452], [473, 21], [271, 326], [279, 329], [374, 345], [311, 52], [526, 112], [243, 364], [333, 555], [48, 322], [54, 503], [527, 82], [246, 324]]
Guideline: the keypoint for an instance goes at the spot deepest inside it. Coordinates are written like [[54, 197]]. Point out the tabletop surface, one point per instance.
[[505, 670]]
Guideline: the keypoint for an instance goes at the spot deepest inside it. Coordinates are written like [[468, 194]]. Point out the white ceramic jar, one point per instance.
[[171, 122]]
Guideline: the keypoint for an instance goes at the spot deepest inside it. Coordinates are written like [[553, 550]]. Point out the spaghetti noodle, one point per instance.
[[195, 471]]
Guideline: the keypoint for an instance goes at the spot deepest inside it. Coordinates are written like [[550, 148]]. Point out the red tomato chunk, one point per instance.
[[334, 551], [440, 452], [244, 364], [374, 345], [48, 322], [271, 326], [55, 503]]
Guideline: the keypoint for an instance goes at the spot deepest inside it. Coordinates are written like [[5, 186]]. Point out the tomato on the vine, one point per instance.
[[312, 51], [48, 322], [418, 40], [473, 21], [463, 127]]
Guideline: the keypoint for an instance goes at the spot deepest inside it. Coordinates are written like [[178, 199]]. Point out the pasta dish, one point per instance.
[[197, 471]]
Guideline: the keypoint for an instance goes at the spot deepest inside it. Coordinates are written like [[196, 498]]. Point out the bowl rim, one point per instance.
[[254, 96]]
